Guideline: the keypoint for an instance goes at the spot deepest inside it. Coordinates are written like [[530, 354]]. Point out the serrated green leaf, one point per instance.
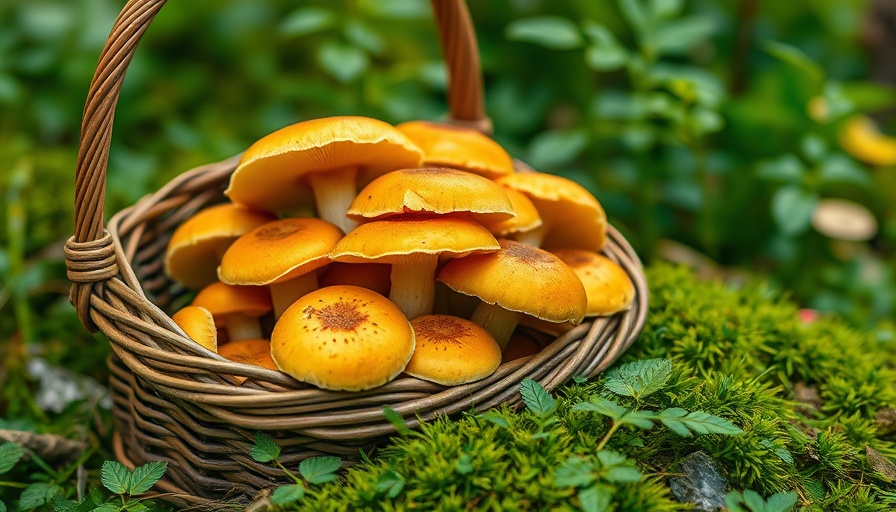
[[464, 464], [307, 20], [115, 477], [640, 419], [676, 426], [134, 506], [679, 36], [787, 169], [574, 472], [537, 399], [596, 498], [286, 494], [397, 421], [10, 454], [343, 62], [792, 208], [320, 470], [781, 502], [37, 495], [556, 148], [733, 501], [552, 32], [390, 483], [107, 507], [265, 448], [610, 458], [639, 378], [579, 379], [2, 506], [145, 476], [495, 418], [700, 422], [602, 406]]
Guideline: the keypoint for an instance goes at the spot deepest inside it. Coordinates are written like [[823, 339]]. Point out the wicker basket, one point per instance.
[[175, 403]]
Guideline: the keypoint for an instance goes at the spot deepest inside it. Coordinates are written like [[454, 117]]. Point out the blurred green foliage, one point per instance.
[[689, 120]]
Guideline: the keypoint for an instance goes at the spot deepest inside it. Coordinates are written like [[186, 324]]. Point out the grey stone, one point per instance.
[[701, 482]]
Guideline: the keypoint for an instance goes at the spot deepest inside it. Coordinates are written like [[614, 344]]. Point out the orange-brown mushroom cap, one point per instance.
[[452, 351], [459, 148], [526, 219], [196, 246], [235, 307], [276, 166], [343, 338], [571, 216], [198, 323], [608, 287], [256, 352], [436, 190]]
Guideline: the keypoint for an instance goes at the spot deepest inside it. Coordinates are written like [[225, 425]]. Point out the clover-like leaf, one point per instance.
[[265, 448], [320, 470], [286, 494], [145, 476], [115, 477]]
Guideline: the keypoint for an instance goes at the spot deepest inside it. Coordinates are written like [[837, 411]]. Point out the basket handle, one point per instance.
[[90, 256]]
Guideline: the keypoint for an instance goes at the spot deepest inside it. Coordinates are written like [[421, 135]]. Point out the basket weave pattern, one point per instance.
[[173, 402]]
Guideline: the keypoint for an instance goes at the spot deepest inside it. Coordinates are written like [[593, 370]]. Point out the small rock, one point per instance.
[[886, 421], [58, 387], [884, 466], [701, 483], [807, 395]]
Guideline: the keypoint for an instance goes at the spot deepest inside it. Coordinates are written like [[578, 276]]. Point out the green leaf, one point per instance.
[[397, 9], [787, 169], [2, 506], [697, 422], [640, 419], [781, 502], [307, 20], [364, 37], [574, 472], [596, 498], [134, 506], [704, 120], [343, 62], [495, 418], [780, 451], [39, 494], [639, 378], [10, 454], [677, 37], [796, 58], [107, 507], [320, 470], [397, 421], [605, 53], [813, 147], [623, 475], [390, 483], [733, 501], [265, 448], [549, 31], [842, 169], [792, 208], [537, 399], [115, 477], [635, 15], [754, 501], [603, 407], [556, 148], [286, 494], [145, 476], [665, 9]]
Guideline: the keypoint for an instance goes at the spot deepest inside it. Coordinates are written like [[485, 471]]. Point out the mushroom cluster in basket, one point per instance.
[[427, 251]]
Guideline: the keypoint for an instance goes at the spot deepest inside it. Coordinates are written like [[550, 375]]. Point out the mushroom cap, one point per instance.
[[279, 251], [459, 148], [254, 352], [844, 220], [222, 299], [860, 138], [519, 278], [573, 217], [373, 276], [395, 238], [343, 338], [436, 190], [519, 346], [198, 323], [527, 217], [608, 287], [195, 248], [271, 170], [452, 351]]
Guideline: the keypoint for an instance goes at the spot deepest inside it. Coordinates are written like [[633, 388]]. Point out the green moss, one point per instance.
[[736, 353]]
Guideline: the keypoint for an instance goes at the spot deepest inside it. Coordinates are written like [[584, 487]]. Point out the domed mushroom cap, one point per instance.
[[343, 338], [527, 217], [459, 148], [255, 352], [436, 190], [608, 287], [196, 246], [571, 216], [222, 299], [198, 323], [519, 278], [452, 351], [279, 251], [272, 169]]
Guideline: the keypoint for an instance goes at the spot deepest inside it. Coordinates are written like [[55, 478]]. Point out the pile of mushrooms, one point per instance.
[[427, 251]]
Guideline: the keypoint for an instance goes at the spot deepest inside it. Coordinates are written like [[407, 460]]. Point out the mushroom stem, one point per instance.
[[334, 192], [499, 322], [533, 237], [413, 284], [242, 327], [284, 293]]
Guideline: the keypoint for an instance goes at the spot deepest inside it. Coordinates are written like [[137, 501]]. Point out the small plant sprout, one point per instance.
[[126, 483], [312, 471]]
